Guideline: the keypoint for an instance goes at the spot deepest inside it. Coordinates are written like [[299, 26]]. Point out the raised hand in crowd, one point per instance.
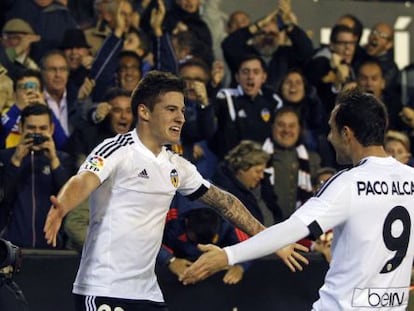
[[102, 110], [217, 73], [86, 88], [28, 93], [157, 18]]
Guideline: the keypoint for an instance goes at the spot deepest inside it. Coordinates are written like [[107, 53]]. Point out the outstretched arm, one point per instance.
[[234, 210], [75, 191], [214, 258]]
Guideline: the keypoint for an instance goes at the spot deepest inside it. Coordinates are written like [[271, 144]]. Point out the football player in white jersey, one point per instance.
[[131, 180], [370, 208]]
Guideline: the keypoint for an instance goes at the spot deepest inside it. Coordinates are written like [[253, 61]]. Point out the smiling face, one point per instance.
[[129, 72], [251, 76], [286, 129], [121, 114], [165, 121], [293, 88]]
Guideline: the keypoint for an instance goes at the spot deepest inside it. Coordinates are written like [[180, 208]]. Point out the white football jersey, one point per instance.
[[371, 209], [127, 216]]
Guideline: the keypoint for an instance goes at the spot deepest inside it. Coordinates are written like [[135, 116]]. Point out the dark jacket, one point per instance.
[[226, 179], [252, 118], [49, 22], [236, 46], [176, 241], [28, 189]]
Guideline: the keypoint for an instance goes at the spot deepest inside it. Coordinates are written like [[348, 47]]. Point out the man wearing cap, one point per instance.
[[16, 40], [48, 18], [78, 54]]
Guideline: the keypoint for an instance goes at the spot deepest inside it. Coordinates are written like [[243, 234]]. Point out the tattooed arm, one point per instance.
[[232, 209]]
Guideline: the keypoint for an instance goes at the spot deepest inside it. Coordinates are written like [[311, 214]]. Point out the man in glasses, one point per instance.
[[380, 46]]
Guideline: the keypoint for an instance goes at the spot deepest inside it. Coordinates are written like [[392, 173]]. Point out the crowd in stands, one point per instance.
[[258, 98]]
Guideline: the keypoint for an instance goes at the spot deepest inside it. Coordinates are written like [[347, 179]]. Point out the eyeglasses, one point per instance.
[[56, 69], [381, 34]]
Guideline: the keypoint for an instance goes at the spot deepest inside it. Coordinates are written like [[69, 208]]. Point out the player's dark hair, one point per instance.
[[152, 86], [364, 114]]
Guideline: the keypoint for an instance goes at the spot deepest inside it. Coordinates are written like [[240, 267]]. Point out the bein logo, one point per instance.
[[380, 297]]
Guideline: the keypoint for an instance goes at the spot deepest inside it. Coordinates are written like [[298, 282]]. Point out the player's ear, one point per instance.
[[143, 112], [346, 133]]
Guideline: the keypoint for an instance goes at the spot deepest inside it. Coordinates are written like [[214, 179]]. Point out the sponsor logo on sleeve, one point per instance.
[[95, 163]]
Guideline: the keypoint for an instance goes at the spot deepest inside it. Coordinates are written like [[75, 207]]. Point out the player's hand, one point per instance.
[[234, 275], [178, 266], [292, 258], [213, 260], [53, 221]]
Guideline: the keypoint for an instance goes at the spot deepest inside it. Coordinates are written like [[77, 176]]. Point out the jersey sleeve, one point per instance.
[[102, 160], [329, 207], [192, 184]]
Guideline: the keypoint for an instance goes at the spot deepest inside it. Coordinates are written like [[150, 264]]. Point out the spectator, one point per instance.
[[245, 112], [48, 18], [292, 160], [380, 46], [262, 38], [61, 99], [237, 20], [330, 68], [78, 54], [242, 173], [302, 97], [184, 16], [357, 28], [189, 224], [28, 90], [397, 144], [34, 170], [114, 116], [371, 79], [17, 38], [6, 90]]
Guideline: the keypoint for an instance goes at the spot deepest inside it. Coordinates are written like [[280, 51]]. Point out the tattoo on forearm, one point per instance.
[[232, 209]]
